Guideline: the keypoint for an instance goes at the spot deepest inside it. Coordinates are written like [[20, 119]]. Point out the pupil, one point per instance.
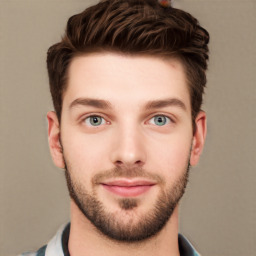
[[160, 120], [95, 120]]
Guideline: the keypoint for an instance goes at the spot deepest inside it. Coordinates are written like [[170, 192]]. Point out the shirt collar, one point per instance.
[[58, 245]]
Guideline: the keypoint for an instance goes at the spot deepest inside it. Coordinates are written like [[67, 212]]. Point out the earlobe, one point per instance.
[[198, 138], [54, 140]]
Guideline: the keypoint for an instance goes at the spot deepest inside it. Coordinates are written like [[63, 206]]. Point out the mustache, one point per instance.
[[126, 172]]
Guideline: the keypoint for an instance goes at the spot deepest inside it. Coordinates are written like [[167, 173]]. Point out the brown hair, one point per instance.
[[132, 27]]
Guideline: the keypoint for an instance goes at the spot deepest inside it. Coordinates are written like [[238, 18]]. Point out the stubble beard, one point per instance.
[[113, 226]]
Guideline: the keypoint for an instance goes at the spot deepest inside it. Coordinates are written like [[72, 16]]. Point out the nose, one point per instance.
[[128, 149]]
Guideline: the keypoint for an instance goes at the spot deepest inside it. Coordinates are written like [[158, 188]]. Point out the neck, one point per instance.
[[85, 239]]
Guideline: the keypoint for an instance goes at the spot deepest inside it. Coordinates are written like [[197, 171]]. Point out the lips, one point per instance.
[[128, 188]]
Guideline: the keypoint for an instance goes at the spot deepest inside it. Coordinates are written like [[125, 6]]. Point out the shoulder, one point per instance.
[[40, 252], [55, 245], [186, 248]]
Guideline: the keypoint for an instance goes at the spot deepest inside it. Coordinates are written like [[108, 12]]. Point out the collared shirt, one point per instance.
[[58, 245]]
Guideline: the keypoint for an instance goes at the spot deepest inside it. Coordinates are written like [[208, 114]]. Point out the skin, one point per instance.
[[128, 137]]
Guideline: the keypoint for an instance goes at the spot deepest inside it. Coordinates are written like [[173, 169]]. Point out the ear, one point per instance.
[[198, 138], [54, 140]]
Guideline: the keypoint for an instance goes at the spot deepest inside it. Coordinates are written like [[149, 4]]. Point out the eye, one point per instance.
[[94, 121], [160, 120]]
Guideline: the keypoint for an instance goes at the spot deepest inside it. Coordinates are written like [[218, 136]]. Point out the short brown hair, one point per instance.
[[132, 27]]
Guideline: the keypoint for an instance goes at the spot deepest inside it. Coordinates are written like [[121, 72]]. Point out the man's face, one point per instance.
[[126, 135]]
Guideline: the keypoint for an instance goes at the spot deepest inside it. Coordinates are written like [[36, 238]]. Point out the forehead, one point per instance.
[[125, 79]]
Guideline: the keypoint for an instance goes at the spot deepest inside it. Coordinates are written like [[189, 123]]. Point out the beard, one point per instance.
[[114, 226]]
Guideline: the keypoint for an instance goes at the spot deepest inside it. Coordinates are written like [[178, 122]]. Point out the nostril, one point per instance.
[[139, 162], [119, 162]]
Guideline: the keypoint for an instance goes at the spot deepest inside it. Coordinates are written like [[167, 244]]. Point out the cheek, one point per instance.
[[84, 153], [171, 157]]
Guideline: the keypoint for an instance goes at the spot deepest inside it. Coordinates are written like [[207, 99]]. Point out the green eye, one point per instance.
[[160, 120], [94, 121]]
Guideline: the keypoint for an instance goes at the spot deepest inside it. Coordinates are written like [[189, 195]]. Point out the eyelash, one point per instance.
[[87, 118], [168, 119]]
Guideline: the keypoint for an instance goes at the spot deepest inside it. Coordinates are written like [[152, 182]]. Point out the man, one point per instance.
[[126, 81]]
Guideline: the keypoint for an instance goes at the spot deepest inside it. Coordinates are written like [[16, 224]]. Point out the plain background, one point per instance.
[[218, 211]]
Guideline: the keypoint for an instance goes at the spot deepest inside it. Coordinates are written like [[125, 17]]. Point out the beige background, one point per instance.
[[218, 211]]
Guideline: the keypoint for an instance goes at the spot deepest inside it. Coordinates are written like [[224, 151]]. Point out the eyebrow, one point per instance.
[[103, 104], [165, 103], [97, 103]]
